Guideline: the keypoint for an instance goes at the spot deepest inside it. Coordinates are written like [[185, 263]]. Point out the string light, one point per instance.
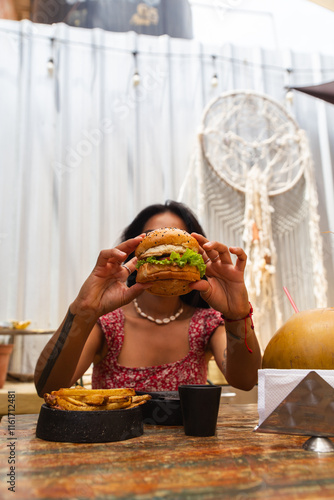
[[50, 65], [214, 79], [136, 75], [289, 96], [232, 60], [289, 93], [136, 79]]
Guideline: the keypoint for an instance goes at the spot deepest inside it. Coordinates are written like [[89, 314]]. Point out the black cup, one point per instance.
[[200, 406]]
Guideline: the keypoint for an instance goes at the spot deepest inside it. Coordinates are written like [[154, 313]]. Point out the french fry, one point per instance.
[[95, 399], [90, 392], [142, 397], [103, 400], [64, 404], [133, 405], [68, 405], [50, 400], [74, 401], [117, 406], [79, 399], [139, 400]]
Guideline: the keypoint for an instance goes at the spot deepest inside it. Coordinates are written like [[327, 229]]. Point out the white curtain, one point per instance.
[[83, 148]]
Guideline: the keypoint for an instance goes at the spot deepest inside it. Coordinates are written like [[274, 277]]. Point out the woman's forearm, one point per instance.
[[57, 363], [243, 355]]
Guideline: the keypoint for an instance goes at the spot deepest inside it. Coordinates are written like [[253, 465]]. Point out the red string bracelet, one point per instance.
[[249, 315]]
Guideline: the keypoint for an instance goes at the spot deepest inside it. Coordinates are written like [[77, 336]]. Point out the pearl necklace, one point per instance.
[[164, 321]]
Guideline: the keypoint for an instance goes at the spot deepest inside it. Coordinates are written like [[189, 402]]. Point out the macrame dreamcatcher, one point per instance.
[[251, 183]]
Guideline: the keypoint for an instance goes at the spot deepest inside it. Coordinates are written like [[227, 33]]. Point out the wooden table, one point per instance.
[[14, 332], [163, 463]]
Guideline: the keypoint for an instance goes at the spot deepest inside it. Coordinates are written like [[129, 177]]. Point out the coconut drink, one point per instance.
[[304, 341]]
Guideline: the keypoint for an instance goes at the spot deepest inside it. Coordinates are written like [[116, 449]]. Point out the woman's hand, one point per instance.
[[225, 289], [105, 289]]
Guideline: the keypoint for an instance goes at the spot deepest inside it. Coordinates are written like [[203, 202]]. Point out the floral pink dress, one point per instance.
[[192, 369]]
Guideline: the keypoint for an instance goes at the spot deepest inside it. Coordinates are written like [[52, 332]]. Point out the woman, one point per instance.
[[104, 324]]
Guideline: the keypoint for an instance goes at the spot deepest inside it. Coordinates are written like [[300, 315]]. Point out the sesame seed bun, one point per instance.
[[167, 278]]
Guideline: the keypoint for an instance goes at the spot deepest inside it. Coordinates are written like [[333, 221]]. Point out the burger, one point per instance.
[[170, 259]]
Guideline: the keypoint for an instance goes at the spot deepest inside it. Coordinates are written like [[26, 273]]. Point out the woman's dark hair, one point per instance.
[[193, 226]]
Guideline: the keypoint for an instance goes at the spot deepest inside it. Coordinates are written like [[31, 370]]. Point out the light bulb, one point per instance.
[[50, 66], [289, 96], [136, 79], [214, 81]]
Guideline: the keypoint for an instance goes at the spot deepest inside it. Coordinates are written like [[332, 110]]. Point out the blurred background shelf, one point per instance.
[[26, 398]]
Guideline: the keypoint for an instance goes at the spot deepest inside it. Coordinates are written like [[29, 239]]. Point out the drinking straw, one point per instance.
[[290, 298]]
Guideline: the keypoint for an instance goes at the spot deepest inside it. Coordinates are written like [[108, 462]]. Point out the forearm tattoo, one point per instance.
[[232, 335], [55, 351]]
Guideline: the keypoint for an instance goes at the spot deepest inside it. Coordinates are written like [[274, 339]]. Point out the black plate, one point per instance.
[[163, 409], [89, 426]]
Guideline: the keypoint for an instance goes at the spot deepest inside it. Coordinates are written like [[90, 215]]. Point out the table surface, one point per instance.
[[163, 463], [24, 331]]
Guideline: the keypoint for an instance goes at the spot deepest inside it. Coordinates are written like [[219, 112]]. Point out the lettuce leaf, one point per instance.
[[189, 257]]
